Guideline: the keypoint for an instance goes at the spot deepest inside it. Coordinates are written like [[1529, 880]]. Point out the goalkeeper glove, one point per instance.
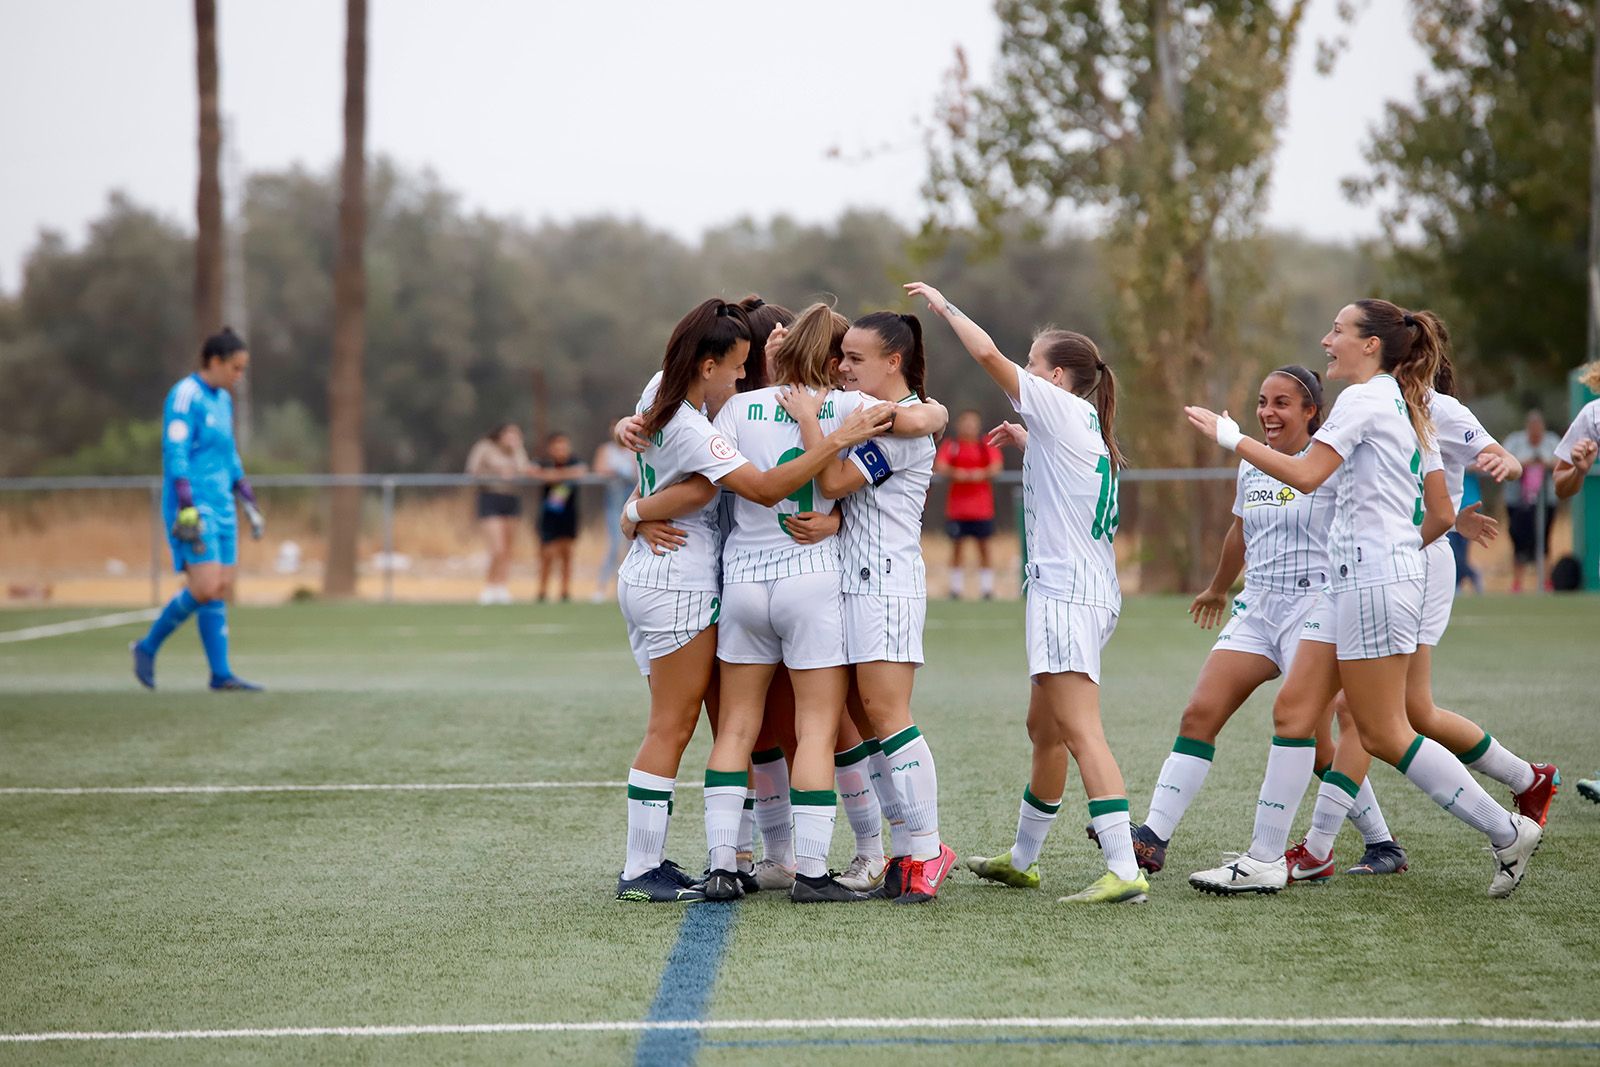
[[186, 527], [258, 522]]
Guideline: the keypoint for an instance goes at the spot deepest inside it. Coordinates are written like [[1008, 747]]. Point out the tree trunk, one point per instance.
[[345, 392], [208, 195]]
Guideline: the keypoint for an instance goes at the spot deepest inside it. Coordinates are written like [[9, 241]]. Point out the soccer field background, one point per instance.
[[274, 910]]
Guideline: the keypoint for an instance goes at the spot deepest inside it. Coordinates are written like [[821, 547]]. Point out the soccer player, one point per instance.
[[671, 600], [1462, 441], [1381, 428], [1279, 538], [1067, 397], [782, 605], [201, 474], [1575, 455], [970, 463], [884, 488]]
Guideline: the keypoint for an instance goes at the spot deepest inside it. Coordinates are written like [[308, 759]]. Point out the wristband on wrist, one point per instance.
[[632, 512], [1228, 434]]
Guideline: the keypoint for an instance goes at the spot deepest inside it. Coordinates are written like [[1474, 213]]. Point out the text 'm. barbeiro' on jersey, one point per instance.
[[686, 446], [759, 548], [1069, 497], [197, 443], [881, 541], [1376, 538], [1285, 530]]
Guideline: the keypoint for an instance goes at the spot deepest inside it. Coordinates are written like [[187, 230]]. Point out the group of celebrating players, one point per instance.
[[799, 628]]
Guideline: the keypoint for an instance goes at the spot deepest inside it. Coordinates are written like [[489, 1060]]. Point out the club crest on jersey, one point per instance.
[[720, 448]]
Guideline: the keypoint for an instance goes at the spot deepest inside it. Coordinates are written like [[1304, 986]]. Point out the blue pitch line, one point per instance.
[[686, 985], [1165, 1042]]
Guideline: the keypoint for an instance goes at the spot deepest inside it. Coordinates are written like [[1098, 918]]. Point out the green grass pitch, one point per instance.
[[194, 912]]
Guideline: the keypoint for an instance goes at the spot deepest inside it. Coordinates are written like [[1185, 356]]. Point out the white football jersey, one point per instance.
[[1460, 437], [881, 541], [686, 446], [1069, 497], [1376, 537], [759, 547], [1587, 424], [1285, 531]]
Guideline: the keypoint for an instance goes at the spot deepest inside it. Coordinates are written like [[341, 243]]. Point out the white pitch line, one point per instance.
[[78, 626], [721, 1025], [351, 787]]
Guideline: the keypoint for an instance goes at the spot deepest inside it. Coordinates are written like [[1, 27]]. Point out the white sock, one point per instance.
[[1432, 768], [1182, 775], [986, 581], [851, 773], [1335, 797], [1492, 758], [916, 785], [725, 792], [1368, 817], [1033, 825], [958, 581], [1290, 764], [814, 811], [889, 801], [747, 832], [771, 785], [1109, 817], [649, 809]]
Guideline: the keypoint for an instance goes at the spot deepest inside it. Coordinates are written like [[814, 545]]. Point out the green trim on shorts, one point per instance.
[[1034, 802], [1109, 806], [1188, 746], [1343, 782], [1294, 742], [813, 798], [771, 755], [854, 755], [895, 743], [1477, 751], [1411, 754], [716, 779]]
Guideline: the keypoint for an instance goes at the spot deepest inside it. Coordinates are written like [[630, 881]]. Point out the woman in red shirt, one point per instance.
[[971, 464]]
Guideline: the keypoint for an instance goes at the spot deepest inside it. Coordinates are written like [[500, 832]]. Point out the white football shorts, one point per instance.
[[1267, 624], [661, 621], [1438, 591], [1066, 638], [884, 629], [797, 621], [1378, 621]]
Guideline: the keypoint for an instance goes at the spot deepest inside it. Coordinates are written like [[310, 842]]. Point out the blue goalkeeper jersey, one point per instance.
[[197, 444]]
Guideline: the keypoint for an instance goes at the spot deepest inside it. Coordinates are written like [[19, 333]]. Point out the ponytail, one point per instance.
[[1105, 405], [1087, 373], [1591, 377], [809, 348], [902, 335], [1412, 345], [710, 331]]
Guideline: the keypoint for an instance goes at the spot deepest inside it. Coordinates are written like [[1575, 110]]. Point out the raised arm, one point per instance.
[[1305, 472], [977, 342], [1569, 476], [1498, 464]]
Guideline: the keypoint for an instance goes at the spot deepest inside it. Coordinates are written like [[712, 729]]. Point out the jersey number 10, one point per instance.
[[1107, 512]]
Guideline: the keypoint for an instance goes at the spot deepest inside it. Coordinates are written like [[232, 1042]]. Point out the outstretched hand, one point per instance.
[[800, 403], [936, 301], [1208, 609], [866, 423], [1475, 526], [1009, 433], [629, 433]]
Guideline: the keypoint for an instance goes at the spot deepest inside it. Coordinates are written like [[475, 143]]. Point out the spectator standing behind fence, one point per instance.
[[620, 468], [500, 458], [971, 464], [1535, 449], [558, 513]]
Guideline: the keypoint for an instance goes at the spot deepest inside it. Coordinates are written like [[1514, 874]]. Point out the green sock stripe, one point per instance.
[[1477, 751], [669, 807], [854, 755], [749, 803], [1343, 782], [738, 778], [873, 745], [1188, 746], [814, 798], [1034, 802], [1110, 806], [1294, 742], [893, 744], [1411, 754], [771, 755], [1322, 771], [639, 792]]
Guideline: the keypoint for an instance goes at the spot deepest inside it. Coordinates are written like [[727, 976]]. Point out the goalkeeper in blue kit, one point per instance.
[[201, 474]]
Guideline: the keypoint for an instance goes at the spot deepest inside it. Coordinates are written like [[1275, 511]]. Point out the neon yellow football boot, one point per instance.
[[999, 869], [1109, 889]]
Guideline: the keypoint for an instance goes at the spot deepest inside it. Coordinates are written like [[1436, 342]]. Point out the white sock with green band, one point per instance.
[[1109, 817], [770, 782], [1290, 763], [1489, 757], [851, 774], [747, 832], [1335, 797], [725, 792], [916, 786], [1368, 817], [889, 801], [814, 812], [1182, 775], [649, 810], [1033, 825], [1434, 770]]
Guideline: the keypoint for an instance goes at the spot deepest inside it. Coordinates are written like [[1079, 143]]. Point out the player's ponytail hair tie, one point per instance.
[[1410, 320], [754, 302]]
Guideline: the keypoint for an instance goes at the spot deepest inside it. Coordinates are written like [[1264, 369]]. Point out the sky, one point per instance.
[[684, 114]]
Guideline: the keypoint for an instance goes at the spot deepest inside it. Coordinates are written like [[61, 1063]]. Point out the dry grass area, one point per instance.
[[96, 548]]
